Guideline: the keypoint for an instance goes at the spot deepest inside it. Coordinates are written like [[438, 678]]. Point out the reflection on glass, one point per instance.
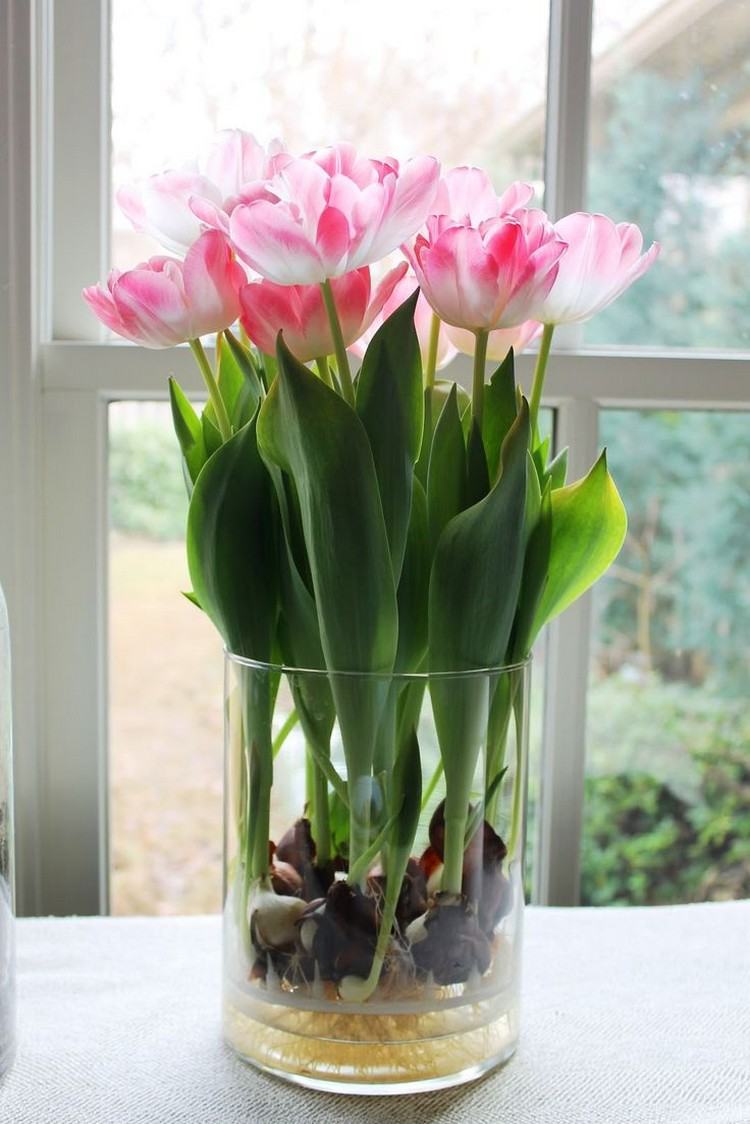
[[165, 690], [408, 78], [670, 150], [667, 810]]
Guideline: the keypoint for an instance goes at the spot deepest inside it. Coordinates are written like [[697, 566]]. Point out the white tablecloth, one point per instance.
[[630, 1015]]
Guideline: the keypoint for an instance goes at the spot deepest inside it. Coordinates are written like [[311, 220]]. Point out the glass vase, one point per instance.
[[7, 935], [373, 898]]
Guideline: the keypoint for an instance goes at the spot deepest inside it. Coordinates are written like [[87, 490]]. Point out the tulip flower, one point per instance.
[[602, 260], [499, 342], [492, 276], [333, 212], [299, 311], [163, 302], [467, 196], [175, 206], [423, 319]]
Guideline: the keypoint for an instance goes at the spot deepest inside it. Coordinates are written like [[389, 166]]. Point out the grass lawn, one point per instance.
[[165, 736]]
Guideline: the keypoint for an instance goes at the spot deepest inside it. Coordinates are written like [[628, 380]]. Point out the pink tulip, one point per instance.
[[422, 322], [492, 276], [467, 196], [603, 258], [499, 342], [299, 311], [175, 206], [165, 302], [334, 212]]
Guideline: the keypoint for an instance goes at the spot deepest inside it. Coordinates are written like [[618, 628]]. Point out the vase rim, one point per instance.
[[401, 676]]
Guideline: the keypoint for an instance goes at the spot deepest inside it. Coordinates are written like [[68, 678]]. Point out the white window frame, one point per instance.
[[59, 374]]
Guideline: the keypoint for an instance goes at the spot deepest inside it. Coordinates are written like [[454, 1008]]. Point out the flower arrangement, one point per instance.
[[373, 525]]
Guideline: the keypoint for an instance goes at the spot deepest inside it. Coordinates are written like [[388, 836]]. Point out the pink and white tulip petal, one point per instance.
[[603, 259], [175, 206], [299, 311], [164, 302], [467, 196], [331, 212], [493, 276], [422, 322], [499, 342]]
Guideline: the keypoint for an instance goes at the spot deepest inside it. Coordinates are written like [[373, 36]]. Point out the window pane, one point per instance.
[[670, 150], [667, 810], [408, 78], [165, 690]]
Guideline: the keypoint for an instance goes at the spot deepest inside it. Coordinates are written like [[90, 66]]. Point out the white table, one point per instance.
[[630, 1015]]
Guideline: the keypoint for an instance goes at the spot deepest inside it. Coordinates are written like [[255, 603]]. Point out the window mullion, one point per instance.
[[74, 853], [80, 175], [556, 874], [568, 96], [19, 423], [567, 127], [558, 844]]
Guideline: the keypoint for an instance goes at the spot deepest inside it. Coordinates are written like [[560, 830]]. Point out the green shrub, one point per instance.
[[669, 819], [147, 494]]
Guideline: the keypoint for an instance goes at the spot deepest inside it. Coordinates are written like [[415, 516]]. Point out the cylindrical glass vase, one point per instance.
[[7, 935], [374, 835]]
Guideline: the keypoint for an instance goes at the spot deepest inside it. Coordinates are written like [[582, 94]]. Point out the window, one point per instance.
[[165, 684], [640, 110], [667, 762]]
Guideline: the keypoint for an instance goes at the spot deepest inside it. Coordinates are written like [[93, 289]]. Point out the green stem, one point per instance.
[[329, 772], [461, 716], [477, 390], [365, 857], [539, 373], [291, 721], [222, 417], [432, 784], [432, 350], [324, 371], [321, 819], [342, 359], [259, 764], [456, 814], [501, 709], [519, 780]]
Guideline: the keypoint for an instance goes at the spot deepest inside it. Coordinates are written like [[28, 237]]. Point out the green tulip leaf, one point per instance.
[[500, 410], [474, 587], [241, 387], [211, 434], [589, 524], [557, 469], [540, 454], [413, 586], [311, 433], [391, 406], [477, 474], [535, 574], [446, 476], [231, 545], [476, 572], [434, 401], [189, 431]]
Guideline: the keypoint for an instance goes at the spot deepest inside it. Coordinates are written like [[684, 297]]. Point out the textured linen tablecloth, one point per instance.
[[637, 1015]]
